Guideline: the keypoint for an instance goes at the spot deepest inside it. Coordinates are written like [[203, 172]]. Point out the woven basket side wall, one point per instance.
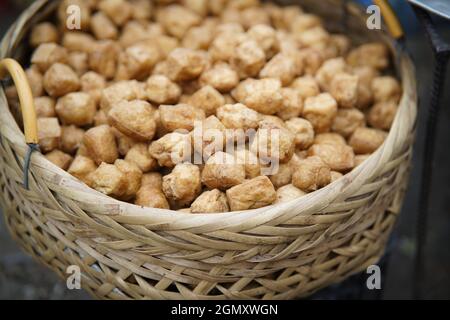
[[278, 252]]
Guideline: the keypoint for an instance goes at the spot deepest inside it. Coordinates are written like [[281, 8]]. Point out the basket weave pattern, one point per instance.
[[279, 252]]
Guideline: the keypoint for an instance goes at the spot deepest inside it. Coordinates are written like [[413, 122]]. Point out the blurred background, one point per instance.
[[23, 278]]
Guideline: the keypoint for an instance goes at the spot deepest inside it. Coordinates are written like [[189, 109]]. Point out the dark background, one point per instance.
[[23, 278]]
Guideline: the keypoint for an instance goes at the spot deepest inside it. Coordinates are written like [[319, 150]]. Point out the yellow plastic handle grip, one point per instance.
[[390, 18], [26, 99]]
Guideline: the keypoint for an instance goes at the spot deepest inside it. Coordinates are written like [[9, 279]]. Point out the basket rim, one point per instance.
[[123, 212]]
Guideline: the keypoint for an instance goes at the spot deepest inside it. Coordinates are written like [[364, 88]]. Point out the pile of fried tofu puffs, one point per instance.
[[120, 99]]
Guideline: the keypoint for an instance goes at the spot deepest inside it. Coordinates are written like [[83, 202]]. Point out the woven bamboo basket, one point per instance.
[[279, 252]]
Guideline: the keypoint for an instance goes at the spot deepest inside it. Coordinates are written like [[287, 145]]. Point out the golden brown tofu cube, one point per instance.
[[119, 11], [59, 158], [76, 108], [181, 116], [165, 44], [303, 131], [282, 67], [45, 107], [271, 121], [171, 149], [263, 95], [221, 77], [375, 55], [304, 22], [183, 185], [366, 140], [101, 144], [78, 41], [292, 104], [103, 58], [223, 46], [312, 60], [250, 161], [252, 194], [282, 176], [109, 180], [274, 144], [320, 111], [152, 179], [330, 138], [222, 171], [208, 99], [266, 37], [71, 138], [344, 89], [141, 10], [119, 91], [133, 176], [306, 86], [103, 28], [137, 61], [134, 119], [47, 54], [254, 16], [82, 167], [329, 69], [44, 32], [288, 193], [338, 157], [49, 134], [35, 79], [311, 174], [161, 90], [60, 80], [214, 201], [198, 38], [315, 37], [347, 121], [382, 114], [209, 137], [248, 59], [386, 88], [238, 116], [151, 197], [140, 156], [124, 143], [177, 20], [79, 62], [133, 32], [185, 64], [93, 83]]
